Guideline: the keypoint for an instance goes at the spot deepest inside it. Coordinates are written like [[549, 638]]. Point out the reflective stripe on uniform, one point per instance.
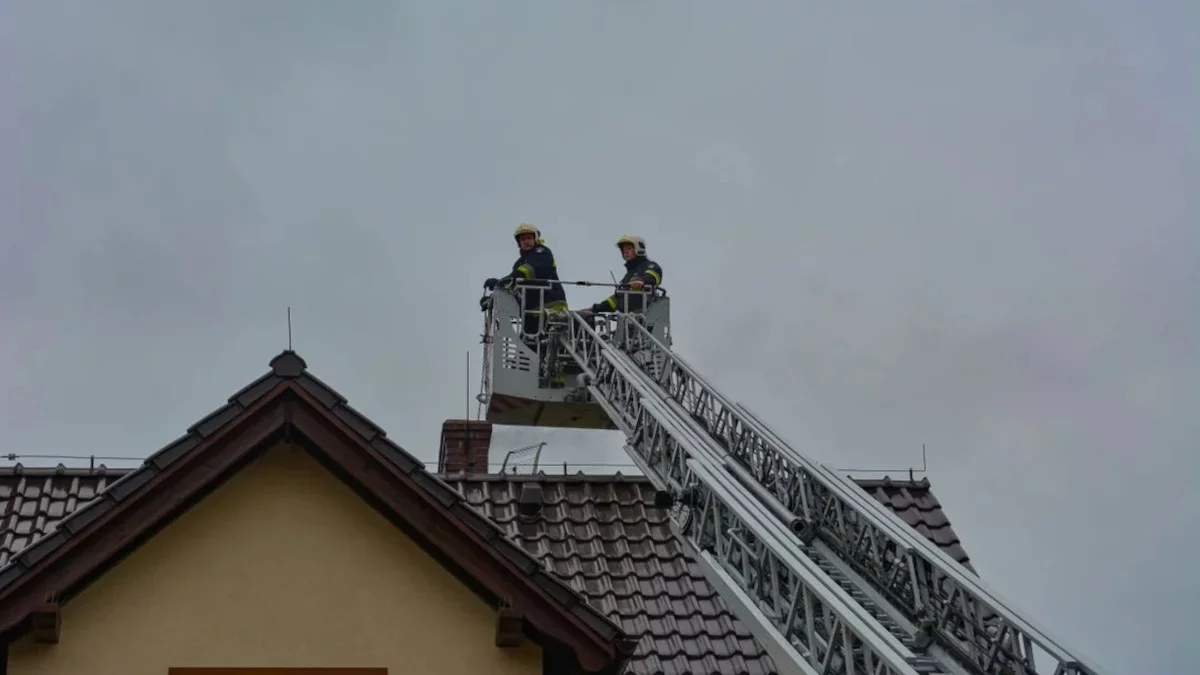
[[657, 279], [550, 307]]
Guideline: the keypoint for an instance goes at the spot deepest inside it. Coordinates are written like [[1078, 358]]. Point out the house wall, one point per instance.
[[283, 566]]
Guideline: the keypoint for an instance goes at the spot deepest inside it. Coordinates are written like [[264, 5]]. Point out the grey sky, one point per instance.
[[973, 227]]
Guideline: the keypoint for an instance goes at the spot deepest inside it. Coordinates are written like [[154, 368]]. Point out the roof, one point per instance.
[[286, 404], [600, 534]]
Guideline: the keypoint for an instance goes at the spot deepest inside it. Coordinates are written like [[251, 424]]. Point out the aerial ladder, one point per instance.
[[829, 580]]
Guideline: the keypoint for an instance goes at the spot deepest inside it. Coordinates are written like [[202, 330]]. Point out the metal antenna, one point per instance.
[[468, 415], [289, 321], [924, 464]]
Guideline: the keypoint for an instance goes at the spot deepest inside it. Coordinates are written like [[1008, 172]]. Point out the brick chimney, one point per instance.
[[465, 445]]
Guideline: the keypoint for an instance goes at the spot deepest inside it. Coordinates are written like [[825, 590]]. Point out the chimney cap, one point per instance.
[[452, 424]]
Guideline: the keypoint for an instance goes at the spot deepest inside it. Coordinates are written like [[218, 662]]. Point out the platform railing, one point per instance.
[[531, 299]]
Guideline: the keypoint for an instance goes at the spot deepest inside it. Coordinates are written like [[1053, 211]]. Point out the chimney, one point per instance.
[[465, 445]]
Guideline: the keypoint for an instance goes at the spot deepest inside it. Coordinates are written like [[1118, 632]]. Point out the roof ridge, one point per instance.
[[63, 471], [888, 481]]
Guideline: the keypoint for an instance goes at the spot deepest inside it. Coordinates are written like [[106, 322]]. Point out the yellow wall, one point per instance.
[[283, 566]]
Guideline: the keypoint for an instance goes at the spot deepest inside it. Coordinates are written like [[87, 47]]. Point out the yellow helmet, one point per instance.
[[526, 228], [638, 244]]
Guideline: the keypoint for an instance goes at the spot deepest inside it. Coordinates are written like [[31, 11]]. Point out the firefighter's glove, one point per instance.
[[485, 302], [490, 283], [599, 307]]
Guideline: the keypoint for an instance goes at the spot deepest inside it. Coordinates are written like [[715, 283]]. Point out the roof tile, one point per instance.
[[609, 543], [34, 501], [250, 393]]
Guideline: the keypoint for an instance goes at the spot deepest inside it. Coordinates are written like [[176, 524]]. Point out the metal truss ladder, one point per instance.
[[829, 580]]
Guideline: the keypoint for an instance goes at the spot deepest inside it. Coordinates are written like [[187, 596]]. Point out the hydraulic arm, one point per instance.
[[772, 528]]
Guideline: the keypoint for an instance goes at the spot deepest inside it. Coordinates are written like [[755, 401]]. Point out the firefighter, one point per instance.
[[535, 262], [640, 272]]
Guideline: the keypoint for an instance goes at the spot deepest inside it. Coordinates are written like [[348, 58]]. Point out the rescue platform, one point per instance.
[[529, 380]]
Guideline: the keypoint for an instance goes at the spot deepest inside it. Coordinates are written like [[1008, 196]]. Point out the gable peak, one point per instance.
[[288, 364]]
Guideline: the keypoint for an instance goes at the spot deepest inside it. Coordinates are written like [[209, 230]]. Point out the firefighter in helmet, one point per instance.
[[535, 263], [640, 272]]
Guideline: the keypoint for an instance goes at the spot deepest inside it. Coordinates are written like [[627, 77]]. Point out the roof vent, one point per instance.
[[529, 505]]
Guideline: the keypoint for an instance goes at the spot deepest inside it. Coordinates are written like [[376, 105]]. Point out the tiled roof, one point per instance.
[[34, 501], [916, 504], [600, 534], [603, 535]]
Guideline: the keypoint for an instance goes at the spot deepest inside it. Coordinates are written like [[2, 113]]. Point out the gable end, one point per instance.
[[289, 405]]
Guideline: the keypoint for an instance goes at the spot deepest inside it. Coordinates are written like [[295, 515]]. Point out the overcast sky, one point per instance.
[[970, 227]]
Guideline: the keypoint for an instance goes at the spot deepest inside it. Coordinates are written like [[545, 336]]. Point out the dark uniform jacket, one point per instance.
[[535, 264], [632, 299]]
